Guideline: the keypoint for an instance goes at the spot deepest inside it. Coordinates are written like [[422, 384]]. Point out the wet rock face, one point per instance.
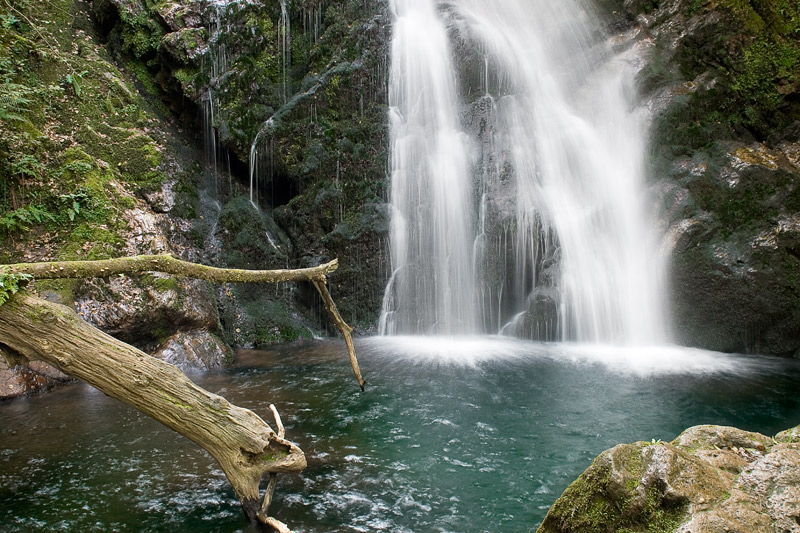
[[26, 379], [195, 350], [143, 311], [724, 161], [734, 239], [709, 479]]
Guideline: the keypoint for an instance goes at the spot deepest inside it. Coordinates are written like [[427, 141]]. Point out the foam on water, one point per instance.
[[638, 360]]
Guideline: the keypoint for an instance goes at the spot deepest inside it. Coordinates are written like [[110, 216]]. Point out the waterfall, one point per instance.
[[433, 282], [518, 195]]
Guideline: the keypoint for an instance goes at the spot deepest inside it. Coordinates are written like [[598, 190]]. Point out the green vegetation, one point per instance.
[[612, 496], [754, 54], [260, 317], [10, 283], [76, 142]]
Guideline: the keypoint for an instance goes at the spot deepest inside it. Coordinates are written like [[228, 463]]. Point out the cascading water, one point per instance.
[[550, 229], [432, 288]]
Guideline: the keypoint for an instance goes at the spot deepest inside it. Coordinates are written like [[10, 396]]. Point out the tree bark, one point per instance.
[[169, 265], [330, 305], [246, 447]]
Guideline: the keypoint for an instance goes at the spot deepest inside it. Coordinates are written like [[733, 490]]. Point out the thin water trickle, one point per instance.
[[552, 230], [285, 40]]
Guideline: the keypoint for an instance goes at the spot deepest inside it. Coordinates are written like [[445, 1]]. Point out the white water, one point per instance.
[[433, 288], [643, 361], [548, 218]]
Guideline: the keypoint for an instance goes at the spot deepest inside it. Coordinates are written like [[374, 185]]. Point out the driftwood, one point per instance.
[[245, 446], [273, 480], [247, 449], [169, 265]]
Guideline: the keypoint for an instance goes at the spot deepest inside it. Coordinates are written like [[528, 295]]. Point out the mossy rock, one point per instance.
[[640, 487], [710, 478]]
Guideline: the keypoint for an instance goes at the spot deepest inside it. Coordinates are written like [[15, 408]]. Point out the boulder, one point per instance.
[[709, 479], [25, 379], [195, 350]]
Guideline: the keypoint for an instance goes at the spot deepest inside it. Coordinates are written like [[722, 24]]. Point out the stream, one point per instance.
[[452, 434]]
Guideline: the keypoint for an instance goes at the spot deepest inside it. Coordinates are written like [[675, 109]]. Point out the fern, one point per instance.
[[24, 217], [13, 101], [11, 283]]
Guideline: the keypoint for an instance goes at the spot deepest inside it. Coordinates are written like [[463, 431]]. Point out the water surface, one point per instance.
[[449, 434]]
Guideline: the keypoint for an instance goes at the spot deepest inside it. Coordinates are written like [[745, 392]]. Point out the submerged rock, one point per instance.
[[709, 479]]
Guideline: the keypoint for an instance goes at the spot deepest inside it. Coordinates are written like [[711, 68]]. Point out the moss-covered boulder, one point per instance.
[[709, 479]]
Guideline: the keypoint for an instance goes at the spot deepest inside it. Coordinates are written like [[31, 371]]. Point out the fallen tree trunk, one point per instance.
[[246, 447], [169, 265]]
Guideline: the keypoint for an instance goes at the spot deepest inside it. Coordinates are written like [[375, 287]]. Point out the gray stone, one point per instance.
[[195, 350]]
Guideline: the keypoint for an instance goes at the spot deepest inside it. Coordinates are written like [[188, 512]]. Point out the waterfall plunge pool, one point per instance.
[[451, 432]]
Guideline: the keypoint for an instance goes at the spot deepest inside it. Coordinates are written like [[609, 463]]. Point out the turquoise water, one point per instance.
[[451, 435]]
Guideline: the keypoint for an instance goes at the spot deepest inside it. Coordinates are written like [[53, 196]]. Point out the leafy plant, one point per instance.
[[7, 20], [25, 166], [75, 80], [11, 283], [22, 218], [72, 203], [13, 101]]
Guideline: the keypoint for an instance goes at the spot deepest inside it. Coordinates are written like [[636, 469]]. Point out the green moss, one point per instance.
[[597, 503], [186, 76], [174, 401], [64, 289], [753, 53], [91, 242], [161, 284], [272, 457], [144, 77], [261, 317]]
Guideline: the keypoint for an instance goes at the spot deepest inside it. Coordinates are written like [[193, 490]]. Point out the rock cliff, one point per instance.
[[131, 126], [723, 82]]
